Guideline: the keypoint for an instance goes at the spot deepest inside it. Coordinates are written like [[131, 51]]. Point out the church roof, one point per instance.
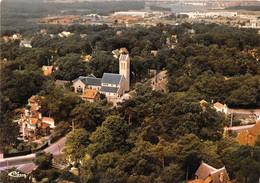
[[111, 78], [89, 80], [109, 89]]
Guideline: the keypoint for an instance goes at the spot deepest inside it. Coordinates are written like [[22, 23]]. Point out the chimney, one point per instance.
[[26, 112], [221, 177], [40, 115]]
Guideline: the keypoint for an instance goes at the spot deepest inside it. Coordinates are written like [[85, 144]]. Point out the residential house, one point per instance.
[[25, 43], [90, 95], [83, 35], [209, 174], [118, 33], [65, 34], [154, 52], [31, 121], [248, 136], [221, 108], [111, 85], [86, 58], [43, 31], [6, 39], [47, 70], [15, 37]]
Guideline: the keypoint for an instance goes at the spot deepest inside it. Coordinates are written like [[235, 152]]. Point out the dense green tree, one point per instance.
[[43, 160], [109, 136], [70, 67], [88, 115], [75, 145]]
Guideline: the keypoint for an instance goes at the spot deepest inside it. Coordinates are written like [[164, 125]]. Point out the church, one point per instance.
[[111, 85]]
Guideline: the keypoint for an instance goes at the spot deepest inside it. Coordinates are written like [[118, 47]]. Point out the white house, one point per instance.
[[26, 44], [221, 108]]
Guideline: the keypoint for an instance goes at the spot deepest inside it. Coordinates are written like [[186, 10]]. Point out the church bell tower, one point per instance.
[[124, 69]]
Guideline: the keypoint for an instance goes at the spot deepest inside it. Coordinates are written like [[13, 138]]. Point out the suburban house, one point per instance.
[[26, 44], [90, 95], [209, 174], [65, 34], [86, 58], [248, 136], [221, 108], [32, 121], [47, 70], [111, 85], [154, 52]]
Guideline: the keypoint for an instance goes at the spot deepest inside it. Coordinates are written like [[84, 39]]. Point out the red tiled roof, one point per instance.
[[47, 70], [32, 99], [91, 94], [33, 121], [123, 50], [154, 52], [208, 180], [34, 107], [45, 125], [218, 105], [255, 130], [249, 136], [47, 119], [196, 181]]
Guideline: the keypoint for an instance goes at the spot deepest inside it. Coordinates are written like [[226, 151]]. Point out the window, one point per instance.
[[122, 65]]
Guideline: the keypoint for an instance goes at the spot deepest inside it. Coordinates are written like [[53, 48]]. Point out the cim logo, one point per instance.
[[17, 174]]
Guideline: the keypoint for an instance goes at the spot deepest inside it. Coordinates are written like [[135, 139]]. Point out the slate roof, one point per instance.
[[111, 78], [108, 89], [89, 80], [208, 173], [204, 171]]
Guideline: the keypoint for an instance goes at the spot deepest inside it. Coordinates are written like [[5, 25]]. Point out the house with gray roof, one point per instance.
[[111, 85]]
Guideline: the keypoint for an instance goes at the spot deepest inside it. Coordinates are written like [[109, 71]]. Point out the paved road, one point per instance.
[[240, 128], [25, 164], [244, 111]]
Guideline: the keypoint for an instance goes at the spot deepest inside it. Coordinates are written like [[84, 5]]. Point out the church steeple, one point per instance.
[[124, 69]]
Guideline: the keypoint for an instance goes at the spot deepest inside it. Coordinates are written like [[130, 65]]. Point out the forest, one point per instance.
[[154, 136]]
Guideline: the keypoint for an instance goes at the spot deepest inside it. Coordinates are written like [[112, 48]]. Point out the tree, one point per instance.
[[110, 136], [9, 131], [43, 160], [75, 145], [102, 62], [70, 67], [88, 115]]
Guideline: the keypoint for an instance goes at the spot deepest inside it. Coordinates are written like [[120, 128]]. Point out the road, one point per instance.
[[240, 128], [25, 164]]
